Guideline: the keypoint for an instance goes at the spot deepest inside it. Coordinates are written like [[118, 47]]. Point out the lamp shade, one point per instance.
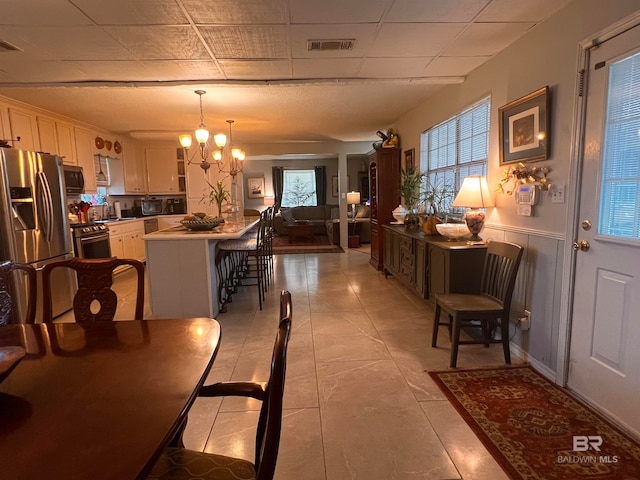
[[474, 193], [202, 134], [185, 140], [268, 200], [353, 197]]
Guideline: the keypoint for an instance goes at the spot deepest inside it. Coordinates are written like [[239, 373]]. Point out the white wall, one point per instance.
[[546, 55]]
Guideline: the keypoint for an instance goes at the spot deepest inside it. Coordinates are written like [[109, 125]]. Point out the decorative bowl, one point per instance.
[[453, 231], [202, 224]]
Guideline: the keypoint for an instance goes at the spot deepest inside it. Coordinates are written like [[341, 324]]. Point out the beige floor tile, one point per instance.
[[347, 323]]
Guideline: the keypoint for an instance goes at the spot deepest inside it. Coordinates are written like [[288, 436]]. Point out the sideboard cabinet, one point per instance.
[[430, 264]]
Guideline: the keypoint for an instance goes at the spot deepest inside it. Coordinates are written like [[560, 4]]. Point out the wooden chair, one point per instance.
[[95, 279], [491, 306], [7, 314], [180, 464]]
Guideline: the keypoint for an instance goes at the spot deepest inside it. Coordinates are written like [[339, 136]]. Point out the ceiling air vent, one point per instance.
[[7, 47], [326, 45]]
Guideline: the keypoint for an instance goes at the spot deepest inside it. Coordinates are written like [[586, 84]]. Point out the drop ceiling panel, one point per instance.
[[326, 68], [41, 12], [256, 69], [414, 39], [453, 66], [40, 72], [436, 10], [393, 67], [486, 39], [237, 12], [133, 12], [157, 70], [67, 43], [160, 42], [257, 42], [363, 33], [338, 11], [520, 11]]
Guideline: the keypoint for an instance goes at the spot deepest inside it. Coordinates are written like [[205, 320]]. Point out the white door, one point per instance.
[[605, 334]]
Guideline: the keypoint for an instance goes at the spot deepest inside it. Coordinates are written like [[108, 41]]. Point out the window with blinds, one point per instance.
[[457, 148], [620, 188]]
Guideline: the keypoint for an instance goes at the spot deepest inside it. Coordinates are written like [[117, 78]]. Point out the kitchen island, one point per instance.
[[181, 270]]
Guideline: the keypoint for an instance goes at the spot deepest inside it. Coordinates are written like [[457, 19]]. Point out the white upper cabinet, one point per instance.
[[66, 143], [162, 170], [84, 154], [23, 124], [133, 163], [47, 135]]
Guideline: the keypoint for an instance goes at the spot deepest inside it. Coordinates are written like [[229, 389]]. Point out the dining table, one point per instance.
[[99, 400]]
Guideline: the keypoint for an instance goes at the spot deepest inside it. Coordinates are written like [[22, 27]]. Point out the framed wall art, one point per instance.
[[524, 128], [334, 185], [410, 159], [255, 187]]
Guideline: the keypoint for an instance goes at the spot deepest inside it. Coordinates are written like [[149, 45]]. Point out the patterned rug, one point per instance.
[[536, 430], [320, 244]]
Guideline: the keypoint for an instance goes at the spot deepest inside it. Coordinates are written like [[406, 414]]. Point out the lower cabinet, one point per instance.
[[126, 240], [430, 264]]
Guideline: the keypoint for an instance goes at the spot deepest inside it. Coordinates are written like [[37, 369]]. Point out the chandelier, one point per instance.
[[229, 160]]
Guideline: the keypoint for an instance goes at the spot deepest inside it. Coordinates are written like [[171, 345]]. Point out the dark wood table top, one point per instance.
[[101, 400]]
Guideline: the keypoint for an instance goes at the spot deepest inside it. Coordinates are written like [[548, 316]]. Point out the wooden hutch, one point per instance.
[[384, 189]]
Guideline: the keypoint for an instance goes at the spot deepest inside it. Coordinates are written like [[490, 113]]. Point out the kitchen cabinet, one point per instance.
[[23, 124], [133, 165], [384, 190], [162, 170], [84, 154], [66, 143], [47, 135], [125, 239], [429, 264]]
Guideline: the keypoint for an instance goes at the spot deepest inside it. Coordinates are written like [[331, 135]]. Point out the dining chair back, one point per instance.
[[491, 307], [181, 464], [7, 302], [94, 300]]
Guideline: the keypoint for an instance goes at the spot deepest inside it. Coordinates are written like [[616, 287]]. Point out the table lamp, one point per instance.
[[474, 194], [353, 198], [268, 200]]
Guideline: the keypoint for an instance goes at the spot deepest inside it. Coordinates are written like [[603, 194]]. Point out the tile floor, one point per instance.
[[358, 401]]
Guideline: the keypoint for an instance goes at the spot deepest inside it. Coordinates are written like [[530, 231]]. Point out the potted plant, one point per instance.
[[436, 196], [218, 194], [411, 181]]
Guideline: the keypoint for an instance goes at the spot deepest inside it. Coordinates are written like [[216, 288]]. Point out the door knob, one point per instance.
[[583, 245]]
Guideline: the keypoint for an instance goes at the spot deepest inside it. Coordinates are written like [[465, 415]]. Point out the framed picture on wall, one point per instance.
[[524, 128], [255, 187], [334, 185], [410, 159]]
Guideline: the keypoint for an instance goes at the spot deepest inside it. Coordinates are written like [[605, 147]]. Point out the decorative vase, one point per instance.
[[399, 213], [412, 219]]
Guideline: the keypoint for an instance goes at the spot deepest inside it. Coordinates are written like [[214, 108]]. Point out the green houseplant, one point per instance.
[[218, 194], [411, 182], [436, 196]]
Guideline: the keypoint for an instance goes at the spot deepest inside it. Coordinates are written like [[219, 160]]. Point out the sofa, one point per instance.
[[362, 228], [317, 216]]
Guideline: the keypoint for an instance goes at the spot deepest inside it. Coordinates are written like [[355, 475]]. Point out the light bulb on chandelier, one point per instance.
[[231, 165]]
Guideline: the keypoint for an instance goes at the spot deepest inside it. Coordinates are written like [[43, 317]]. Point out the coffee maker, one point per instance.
[[176, 205]]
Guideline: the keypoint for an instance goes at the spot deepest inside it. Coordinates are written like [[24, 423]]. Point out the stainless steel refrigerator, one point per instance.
[[34, 228]]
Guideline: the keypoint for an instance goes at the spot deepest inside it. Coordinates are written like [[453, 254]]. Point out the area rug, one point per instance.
[[536, 430], [320, 244]]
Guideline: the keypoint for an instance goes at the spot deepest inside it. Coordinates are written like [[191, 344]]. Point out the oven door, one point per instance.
[[96, 246]]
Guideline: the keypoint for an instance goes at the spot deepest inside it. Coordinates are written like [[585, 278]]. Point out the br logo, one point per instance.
[[582, 443]]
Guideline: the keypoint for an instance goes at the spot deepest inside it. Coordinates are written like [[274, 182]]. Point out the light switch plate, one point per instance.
[[557, 194]]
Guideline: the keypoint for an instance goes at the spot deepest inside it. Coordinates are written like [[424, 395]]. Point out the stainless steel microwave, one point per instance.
[[73, 179]]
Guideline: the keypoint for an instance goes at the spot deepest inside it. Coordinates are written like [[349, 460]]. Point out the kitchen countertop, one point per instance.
[[226, 231]]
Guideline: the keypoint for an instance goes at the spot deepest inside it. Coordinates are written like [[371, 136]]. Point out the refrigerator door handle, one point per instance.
[[47, 203]]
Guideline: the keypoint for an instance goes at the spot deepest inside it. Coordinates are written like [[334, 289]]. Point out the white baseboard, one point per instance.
[[538, 366]]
